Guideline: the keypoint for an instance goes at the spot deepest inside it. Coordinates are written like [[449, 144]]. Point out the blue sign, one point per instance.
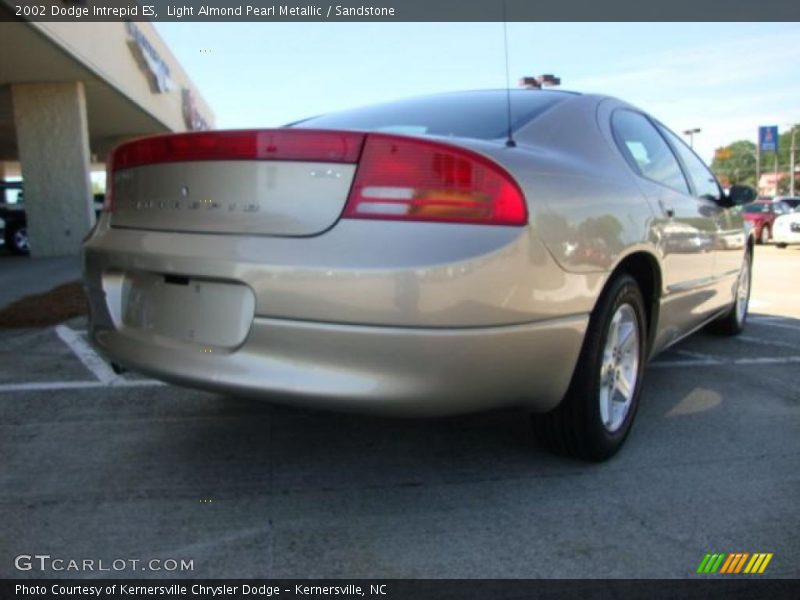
[[768, 138]]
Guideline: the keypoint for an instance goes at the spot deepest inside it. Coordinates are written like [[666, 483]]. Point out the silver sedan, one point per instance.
[[429, 256]]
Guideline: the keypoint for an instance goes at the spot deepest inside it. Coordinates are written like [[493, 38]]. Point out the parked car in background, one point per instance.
[[10, 206], [762, 214], [15, 221], [410, 259], [792, 201], [786, 227]]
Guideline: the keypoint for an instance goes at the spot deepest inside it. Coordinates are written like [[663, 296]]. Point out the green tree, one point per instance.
[[736, 163], [785, 147]]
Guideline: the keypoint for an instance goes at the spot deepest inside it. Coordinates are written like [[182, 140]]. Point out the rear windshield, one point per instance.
[[758, 208], [481, 115], [791, 202]]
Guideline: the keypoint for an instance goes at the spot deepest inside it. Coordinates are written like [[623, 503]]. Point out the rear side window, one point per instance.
[[646, 151], [705, 184], [480, 115]]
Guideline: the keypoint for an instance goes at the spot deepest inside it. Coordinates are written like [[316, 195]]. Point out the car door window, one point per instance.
[[703, 180], [646, 151]]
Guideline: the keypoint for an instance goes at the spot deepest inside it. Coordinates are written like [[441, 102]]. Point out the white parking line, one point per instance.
[[74, 339], [755, 340], [104, 373], [773, 322], [768, 360], [662, 364], [75, 385], [776, 360], [697, 355]]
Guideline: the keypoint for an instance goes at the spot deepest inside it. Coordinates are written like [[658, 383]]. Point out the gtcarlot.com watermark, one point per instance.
[[45, 563]]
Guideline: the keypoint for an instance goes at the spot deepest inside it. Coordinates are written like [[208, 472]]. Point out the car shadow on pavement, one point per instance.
[[699, 384]]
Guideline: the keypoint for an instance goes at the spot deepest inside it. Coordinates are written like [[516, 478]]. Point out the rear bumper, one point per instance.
[[428, 319], [388, 370]]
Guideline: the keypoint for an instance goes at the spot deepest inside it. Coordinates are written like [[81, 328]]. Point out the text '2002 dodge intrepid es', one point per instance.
[[430, 256]]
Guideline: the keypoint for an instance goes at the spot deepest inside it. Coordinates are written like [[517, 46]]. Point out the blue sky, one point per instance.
[[725, 78]]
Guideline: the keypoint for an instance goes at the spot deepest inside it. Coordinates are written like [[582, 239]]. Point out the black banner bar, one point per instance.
[[399, 10], [401, 589]]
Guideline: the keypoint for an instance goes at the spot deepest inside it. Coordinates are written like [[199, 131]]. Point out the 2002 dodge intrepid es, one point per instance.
[[430, 256]]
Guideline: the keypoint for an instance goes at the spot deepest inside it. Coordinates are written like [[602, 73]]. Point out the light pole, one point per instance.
[[690, 133], [791, 161]]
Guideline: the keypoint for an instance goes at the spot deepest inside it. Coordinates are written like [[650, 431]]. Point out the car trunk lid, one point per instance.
[[267, 182]]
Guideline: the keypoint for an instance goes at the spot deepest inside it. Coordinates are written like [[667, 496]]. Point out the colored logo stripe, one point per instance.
[[735, 562], [758, 563], [710, 563]]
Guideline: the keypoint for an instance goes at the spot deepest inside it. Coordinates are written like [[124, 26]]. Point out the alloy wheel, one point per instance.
[[620, 368], [21, 242]]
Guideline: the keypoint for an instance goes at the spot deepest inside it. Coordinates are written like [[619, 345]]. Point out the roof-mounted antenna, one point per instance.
[[510, 143]]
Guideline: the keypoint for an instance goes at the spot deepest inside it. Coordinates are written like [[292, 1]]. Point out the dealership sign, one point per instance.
[[191, 115], [768, 138], [149, 59]]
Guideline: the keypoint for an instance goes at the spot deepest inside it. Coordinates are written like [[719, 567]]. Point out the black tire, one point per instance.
[[17, 239], [781, 245], [575, 427], [119, 370], [734, 321]]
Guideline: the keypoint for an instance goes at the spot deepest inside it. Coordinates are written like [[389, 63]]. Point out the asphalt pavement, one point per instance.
[[100, 467]]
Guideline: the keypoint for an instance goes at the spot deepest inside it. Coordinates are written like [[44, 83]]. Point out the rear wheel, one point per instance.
[[595, 417], [781, 245], [17, 239], [734, 321]]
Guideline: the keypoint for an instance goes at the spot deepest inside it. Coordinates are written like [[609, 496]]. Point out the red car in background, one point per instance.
[[762, 214]]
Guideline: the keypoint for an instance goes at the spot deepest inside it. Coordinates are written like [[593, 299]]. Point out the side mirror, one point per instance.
[[740, 195]]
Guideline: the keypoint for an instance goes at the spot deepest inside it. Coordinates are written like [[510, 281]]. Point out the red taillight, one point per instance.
[[402, 178], [397, 178], [245, 144]]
